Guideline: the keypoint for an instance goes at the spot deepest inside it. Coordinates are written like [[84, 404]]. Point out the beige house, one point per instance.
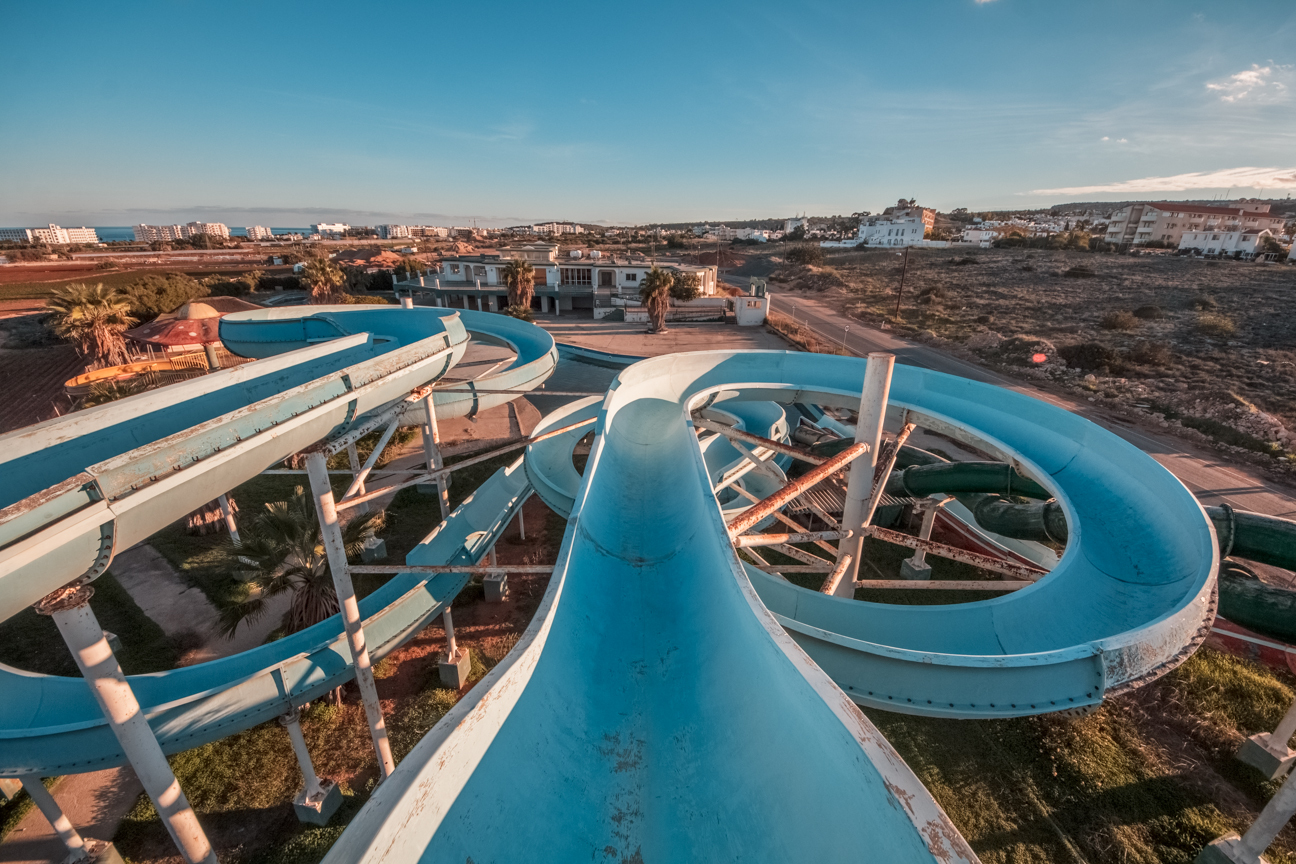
[[1168, 221]]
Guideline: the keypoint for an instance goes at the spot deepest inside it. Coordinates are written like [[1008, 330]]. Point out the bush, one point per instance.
[[1120, 320], [1204, 304], [805, 255], [279, 283], [1147, 353], [155, 293], [522, 313], [930, 295], [964, 261], [229, 289], [365, 300], [1089, 356], [1149, 313], [1215, 324], [1078, 272]]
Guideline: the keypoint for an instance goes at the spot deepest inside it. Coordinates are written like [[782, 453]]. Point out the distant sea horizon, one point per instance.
[[110, 233]]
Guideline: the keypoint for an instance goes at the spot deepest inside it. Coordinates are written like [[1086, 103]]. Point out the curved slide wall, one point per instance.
[[117, 473]]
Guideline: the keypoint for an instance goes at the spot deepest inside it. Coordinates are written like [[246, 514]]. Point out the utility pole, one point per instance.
[[903, 270]]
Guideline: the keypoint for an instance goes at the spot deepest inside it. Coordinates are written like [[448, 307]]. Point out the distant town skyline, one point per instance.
[[515, 113]]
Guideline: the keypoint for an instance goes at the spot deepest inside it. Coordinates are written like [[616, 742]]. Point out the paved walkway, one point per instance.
[[618, 337]]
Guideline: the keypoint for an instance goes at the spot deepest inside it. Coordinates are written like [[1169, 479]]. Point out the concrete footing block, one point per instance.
[[455, 670], [114, 642], [374, 549], [1225, 851], [10, 787], [101, 852], [427, 488], [908, 570], [496, 585], [318, 809], [1270, 758]]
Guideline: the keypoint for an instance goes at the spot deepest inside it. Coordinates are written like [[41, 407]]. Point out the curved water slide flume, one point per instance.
[[342, 366], [654, 710], [1131, 596]]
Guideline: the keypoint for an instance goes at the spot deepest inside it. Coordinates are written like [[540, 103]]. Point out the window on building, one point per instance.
[[577, 276], [632, 277], [454, 268]]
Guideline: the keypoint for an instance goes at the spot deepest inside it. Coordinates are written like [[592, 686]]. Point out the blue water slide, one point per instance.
[[81, 486], [1131, 596]]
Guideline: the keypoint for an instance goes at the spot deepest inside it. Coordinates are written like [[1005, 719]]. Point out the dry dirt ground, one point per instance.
[[1202, 346]]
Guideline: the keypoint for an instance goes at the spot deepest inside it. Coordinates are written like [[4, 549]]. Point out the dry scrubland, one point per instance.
[[1208, 347]]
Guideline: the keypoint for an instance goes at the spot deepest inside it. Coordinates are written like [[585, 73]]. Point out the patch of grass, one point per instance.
[[15, 810], [1149, 313], [1215, 324], [1231, 693], [1080, 271], [1119, 320], [1150, 353], [27, 331]]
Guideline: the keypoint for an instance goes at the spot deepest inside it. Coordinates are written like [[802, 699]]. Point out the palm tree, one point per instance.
[[324, 279], [654, 293], [282, 551], [519, 276], [93, 317]]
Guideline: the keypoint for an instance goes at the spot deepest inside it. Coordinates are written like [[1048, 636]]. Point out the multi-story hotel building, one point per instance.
[[1167, 221]]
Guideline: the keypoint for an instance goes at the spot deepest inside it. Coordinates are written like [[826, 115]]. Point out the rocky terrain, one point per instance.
[[1205, 347]]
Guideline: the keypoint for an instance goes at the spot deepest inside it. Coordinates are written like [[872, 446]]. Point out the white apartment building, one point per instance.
[[327, 229], [556, 228], [51, 234], [428, 231], [1242, 243], [1168, 221], [391, 232], [153, 233], [259, 232]]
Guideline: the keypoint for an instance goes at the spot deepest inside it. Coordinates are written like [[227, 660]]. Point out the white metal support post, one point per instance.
[[859, 486], [917, 566], [432, 454], [521, 524], [70, 609], [1268, 752], [228, 512], [353, 459], [310, 780], [317, 470], [1247, 849], [58, 820]]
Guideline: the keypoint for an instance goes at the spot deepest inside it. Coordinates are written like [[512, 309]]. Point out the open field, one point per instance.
[[28, 283], [1208, 347]]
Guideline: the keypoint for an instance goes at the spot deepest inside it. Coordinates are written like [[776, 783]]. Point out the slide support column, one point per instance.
[[70, 609], [859, 486], [432, 455], [325, 508]]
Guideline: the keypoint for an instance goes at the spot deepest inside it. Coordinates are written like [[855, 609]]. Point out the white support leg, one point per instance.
[[228, 512], [353, 459], [325, 508], [319, 799], [456, 666], [54, 814], [521, 523], [917, 566], [1268, 752], [1248, 849], [859, 486], [76, 622], [432, 456]]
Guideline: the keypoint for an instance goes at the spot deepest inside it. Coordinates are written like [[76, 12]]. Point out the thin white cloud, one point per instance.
[[982, 2], [1231, 178], [1263, 84]]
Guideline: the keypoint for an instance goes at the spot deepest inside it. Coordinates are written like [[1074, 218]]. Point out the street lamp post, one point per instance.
[[846, 330]]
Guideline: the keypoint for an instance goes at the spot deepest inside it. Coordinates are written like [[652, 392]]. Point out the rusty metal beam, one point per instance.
[[777, 539], [764, 508], [834, 578], [938, 585], [767, 443], [786, 520], [985, 562]]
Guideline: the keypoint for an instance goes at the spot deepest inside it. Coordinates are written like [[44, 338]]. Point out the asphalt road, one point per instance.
[[1212, 479]]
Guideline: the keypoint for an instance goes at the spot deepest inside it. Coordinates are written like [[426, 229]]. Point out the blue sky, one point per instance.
[[289, 113]]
